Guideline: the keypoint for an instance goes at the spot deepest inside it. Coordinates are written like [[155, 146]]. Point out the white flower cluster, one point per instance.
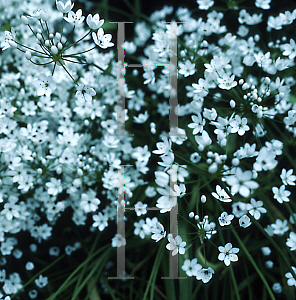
[[228, 162]]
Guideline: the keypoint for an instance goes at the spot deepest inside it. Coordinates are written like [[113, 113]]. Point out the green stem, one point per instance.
[[279, 250], [30, 49], [77, 41], [68, 73], [249, 256], [72, 55], [234, 283]]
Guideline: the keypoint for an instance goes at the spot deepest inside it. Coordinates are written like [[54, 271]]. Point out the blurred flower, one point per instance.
[[64, 8]]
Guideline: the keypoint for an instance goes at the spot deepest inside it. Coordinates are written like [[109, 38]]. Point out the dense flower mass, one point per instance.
[[191, 151]]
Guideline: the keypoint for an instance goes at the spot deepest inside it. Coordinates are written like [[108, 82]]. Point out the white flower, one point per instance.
[[89, 202], [291, 280], [291, 241], [118, 241], [281, 195], [287, 177], [205, 274], [198, 124], [176, 245], [221, 194], [41, 281], [141, 229], [187, 69], [163, 147], [244, 221], [45, 85], [241, 182], [101, 221], [64, 8], [205, 4], [264, 4], [54, 186], [101, 39], [191, 267], [203, 140], [228, 254], [239, 125], [226, 82], [179, 190], [75, 18], [225, 219], [94, 22], [9, 37], [85, 93], [262, 59], [158, 232], [280, 227], [140, 208], [255, 208], [39, 14]]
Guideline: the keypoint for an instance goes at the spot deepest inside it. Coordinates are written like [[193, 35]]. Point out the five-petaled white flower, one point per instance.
[[45, 85], [228, 254], [101, 39], [75, 18], [101, 221], [94, 22], [176, 245], [85, 93], [256, 208]]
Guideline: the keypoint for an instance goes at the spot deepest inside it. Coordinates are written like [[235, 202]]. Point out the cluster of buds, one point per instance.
[[52, 49]]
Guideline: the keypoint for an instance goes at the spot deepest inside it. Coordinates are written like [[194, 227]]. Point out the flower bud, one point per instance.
[[267, 80], [28, 55], [39, 36], [51, 36], [60, 46], [25, 20], [58, 36], [213, 168], [232, 103], [54, 50], [235, 162], [47, 43]]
